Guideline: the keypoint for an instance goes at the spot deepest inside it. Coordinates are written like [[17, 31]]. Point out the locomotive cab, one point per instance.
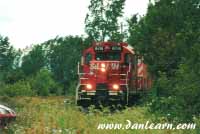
[[107, 72]]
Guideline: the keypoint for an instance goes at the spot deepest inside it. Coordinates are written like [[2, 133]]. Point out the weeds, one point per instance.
[[52, 115]]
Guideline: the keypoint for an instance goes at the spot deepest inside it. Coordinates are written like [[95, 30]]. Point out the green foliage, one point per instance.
[[43, 115], [165, 34], [102, 21], [20, 88], [63, 55], [8, 58], [43, 83], [178, 96], [7, 54], [197, 121], [60, 56], [168, 37], [187, 91], [163, 86], [13, 76], [33, 61], [72, 87]]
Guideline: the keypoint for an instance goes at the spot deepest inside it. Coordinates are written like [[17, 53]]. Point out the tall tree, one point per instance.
[[34, 60], [163, 35], [102, 21], [64, 54], [168, 37], [8, 60], [7, 54]]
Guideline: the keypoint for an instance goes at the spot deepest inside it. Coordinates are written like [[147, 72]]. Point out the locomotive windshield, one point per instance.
[[114, 56]]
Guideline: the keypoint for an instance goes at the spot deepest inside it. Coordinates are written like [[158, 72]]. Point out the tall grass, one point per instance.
[[50, 115]]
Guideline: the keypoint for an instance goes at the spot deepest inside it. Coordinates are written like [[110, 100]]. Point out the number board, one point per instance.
[[98, 48], [116, 48]]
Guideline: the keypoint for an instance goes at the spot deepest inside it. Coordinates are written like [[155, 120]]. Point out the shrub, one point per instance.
[[43, 83], [178, 96], [13, 76], [20, 88], [72, 88], [2, 86]]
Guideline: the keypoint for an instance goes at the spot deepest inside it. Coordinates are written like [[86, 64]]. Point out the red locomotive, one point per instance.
[[111, 71]]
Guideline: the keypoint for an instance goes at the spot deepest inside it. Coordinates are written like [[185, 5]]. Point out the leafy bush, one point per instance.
[[20, 88], [72, 88], [187, 90], [169, 43], [2, 85], [197, 121], [178, 96], [43, 83], [13, 76]]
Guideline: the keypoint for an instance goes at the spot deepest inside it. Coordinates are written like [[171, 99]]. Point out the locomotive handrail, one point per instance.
[[83, 78], [79, 70], [76, 95], [83, 73], [119, 74], [127, 95]]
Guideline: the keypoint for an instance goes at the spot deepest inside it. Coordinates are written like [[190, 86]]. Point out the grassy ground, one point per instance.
[[51, 116]]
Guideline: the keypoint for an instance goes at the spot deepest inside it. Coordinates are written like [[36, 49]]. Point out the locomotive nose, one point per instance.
[[104, 70]]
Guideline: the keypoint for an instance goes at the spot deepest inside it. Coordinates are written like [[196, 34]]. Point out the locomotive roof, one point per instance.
[[109, 43]]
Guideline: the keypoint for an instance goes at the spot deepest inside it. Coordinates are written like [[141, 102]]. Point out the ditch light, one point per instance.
[[103, 69], [115, 86], [89, 86]]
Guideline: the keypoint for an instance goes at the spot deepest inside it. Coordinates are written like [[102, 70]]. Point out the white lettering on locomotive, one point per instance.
[[94, 66], [114, 66]]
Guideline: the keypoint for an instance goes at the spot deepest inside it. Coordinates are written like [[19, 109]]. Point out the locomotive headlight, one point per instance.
[[89, 86], [103, 69], [115, 86], [103, 65]]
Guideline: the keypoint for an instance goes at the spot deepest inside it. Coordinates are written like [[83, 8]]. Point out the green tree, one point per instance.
[[14, 75], [168, 37], [7, 54], [9, 59], [60, 56], [163, 35], [42, 83], [34, 60], [20, 88], [102, 21], [64, 54]]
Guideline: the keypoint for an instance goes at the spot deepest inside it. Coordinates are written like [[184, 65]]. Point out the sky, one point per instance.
[[28, 22]]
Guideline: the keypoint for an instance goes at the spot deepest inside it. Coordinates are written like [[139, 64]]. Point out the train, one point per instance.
[[111, 71]]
